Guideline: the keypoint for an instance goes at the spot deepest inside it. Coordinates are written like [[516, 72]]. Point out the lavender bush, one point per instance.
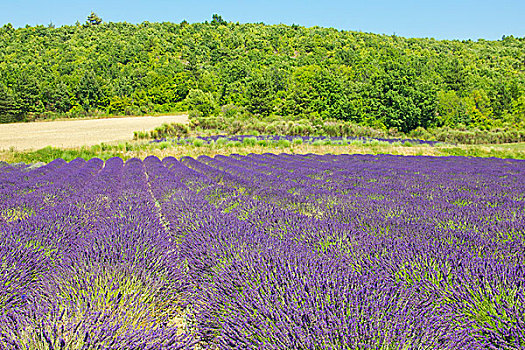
[[265, 252], [251, 140]]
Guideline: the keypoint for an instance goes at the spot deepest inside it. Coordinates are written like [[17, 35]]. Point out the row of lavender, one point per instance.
[[296, 139], [264, 251], [86, 261]]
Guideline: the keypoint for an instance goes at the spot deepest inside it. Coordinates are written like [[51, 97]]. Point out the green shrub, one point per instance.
[[167, 130], [200, 101], [198, 143], [233, 144], [140, 135], [221, 141], [209, 122], [249, 141], [284, 143], [476, 136], [163, 145], [234, 112], [10, 109], [420, 134]]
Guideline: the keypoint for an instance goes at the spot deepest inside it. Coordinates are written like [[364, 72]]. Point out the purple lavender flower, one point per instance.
[[264, 251]]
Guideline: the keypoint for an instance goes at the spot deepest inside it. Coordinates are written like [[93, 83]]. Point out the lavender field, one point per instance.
[[264, 252]]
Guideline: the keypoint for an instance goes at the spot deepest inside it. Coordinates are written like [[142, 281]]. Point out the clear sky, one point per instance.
[[444, 19]]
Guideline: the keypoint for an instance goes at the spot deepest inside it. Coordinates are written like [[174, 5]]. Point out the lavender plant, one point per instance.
[[251, 140], [263, 251]]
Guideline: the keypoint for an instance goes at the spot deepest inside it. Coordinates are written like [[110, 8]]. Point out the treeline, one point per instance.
[[385, 82]]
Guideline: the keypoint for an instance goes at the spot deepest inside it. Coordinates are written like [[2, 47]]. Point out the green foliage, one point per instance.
[[10, 110], [259, 95], [249, 141], [164, 131], [236, 121], [298, 141], [217, 20], [200, 101], [198, 143], [140, 135], [473, 136], [314, 74], [93, 19], [89, 92], [450, 110], [129, 150], [284, 143]]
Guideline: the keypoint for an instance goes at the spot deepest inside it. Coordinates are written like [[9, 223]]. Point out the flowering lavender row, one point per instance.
[[264, 251], [301, 139], [93, 269]]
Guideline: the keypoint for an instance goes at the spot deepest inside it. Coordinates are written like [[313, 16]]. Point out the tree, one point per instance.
[[450, 109], [478, 108], [10, 111], [201, 101], [217, 20], [88, 92], [376, 80], [259, 96], [93, 19], [56, 97], [27, 92]]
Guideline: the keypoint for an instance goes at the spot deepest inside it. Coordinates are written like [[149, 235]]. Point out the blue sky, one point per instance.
[[446, 19]]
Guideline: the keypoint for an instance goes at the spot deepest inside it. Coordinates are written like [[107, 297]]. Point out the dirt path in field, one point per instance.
[[78, 132]]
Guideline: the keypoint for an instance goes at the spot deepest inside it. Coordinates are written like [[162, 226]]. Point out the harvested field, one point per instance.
[[78, 132]]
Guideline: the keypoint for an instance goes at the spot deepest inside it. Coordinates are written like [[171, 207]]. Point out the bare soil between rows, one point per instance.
[[78, 132]]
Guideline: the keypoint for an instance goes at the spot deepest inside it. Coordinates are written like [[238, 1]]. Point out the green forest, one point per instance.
[[380, 81]]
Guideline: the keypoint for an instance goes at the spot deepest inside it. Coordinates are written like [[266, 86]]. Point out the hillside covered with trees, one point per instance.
[[375, 80]]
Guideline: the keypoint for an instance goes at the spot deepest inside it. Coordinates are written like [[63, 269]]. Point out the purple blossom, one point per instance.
[[264, 251]]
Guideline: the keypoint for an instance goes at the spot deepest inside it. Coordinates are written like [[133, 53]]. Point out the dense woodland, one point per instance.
[[318, 73]]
